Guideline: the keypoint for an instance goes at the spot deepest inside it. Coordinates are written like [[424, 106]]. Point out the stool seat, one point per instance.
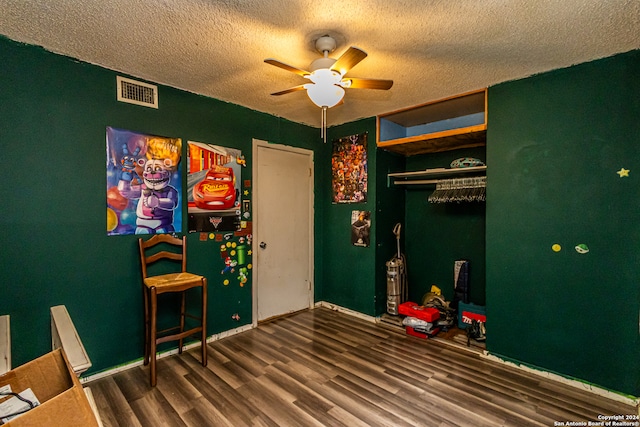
[[171, 249], [173, 281]]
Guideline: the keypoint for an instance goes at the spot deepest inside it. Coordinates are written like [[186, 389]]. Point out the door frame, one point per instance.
[[257, 143]]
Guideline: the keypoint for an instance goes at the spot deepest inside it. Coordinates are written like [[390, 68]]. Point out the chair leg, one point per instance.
[[204, 322], [147, 332], [182, 315], [153, 333]]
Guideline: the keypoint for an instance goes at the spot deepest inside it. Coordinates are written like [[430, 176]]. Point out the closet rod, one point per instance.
[[417, 181]]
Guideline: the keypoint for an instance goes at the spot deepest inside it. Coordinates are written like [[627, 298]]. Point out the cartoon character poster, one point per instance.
[[144, 183], [213, 187], [349, 169], [361, 228]]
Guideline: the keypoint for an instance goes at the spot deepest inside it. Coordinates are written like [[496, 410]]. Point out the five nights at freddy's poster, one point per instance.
[[349, 169], [144, 184]]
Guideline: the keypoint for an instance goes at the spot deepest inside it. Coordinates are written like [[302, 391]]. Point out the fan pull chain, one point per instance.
[[323, 124]]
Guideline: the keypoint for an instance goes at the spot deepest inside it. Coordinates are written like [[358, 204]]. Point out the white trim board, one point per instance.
[[5, 344]]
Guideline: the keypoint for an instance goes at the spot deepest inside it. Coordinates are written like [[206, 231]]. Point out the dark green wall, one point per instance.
[[555, 143], [348, 270], [438, 234], [355, 277], [53, 117], [390, 203]]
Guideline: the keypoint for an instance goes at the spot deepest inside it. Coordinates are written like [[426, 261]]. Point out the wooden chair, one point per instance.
[[170, 249]]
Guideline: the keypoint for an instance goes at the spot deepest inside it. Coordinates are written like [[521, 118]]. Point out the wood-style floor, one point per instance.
[[324, 368]]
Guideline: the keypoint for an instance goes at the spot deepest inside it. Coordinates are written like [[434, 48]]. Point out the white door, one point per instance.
[[283, 230]]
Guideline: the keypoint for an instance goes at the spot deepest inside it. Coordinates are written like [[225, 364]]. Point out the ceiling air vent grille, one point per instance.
[[137, 93]]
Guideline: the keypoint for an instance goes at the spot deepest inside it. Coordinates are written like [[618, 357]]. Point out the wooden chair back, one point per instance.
[[177, 254]]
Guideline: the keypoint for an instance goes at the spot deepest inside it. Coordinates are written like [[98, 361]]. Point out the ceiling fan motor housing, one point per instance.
[[321, 63], [326, 44]]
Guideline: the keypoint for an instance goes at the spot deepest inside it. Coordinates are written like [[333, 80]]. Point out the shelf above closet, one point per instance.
[[408, 178], [447, 124]]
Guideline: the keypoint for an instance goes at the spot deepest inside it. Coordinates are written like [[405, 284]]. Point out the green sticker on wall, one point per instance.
[[582, 248]]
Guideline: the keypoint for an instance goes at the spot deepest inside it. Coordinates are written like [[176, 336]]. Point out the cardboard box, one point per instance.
[[428, 314], [62, 399]]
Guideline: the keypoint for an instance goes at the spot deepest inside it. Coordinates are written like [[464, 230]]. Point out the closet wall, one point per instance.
[[437, 234]]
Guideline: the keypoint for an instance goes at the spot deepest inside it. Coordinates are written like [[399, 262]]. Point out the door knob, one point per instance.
[[263, 245]]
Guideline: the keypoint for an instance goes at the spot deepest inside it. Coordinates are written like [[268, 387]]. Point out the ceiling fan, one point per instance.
[[327, 76]]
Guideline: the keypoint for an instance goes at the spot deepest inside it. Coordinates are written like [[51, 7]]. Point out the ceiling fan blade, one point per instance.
[[291, 89], [287, 67], [349, 59], [370, 84]]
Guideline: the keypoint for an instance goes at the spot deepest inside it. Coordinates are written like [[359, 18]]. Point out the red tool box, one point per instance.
[[412, 309], [413, 332]]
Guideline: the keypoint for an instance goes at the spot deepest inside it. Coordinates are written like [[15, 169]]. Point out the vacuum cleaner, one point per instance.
[[397, 291]]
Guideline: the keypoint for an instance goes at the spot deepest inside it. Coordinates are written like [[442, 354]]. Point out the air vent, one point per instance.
[[137, 93]]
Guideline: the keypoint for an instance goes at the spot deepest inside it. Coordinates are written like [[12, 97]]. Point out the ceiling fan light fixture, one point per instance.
[[326, 74], [324, 91], [324, 95]]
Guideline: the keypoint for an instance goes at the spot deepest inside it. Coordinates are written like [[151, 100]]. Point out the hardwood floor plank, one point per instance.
[[319, 411], [175, 388], [259, 344], [308, 359], [324, 368], [228, 404], [482, 402], [318, 336], [346, 418], [359, 406], [112, 405], [380, 397], [152, 409], [271, 405], [203, 413], [254, 366]]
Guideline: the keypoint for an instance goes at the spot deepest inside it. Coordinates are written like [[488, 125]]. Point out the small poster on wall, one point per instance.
[[360, 228], [144, 183], [213, 187], [349, 169]]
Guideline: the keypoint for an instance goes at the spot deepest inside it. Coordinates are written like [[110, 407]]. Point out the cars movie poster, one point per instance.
[[213, 187], [144, 184]]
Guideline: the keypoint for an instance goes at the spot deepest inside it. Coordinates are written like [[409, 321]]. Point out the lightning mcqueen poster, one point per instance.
[[213, 187]]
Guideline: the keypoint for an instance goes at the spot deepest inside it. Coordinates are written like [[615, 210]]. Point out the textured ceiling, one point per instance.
[[430, 48]]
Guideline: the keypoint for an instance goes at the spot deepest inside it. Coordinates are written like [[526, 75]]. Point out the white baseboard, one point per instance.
[[344, 310]]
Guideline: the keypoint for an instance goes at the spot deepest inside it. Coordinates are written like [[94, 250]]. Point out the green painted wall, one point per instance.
[[438, 234], [355, 277], [348, 270], [53, 117], [390, 203], [555, 143]]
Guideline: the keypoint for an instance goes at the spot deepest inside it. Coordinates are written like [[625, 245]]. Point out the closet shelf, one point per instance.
[[447, 124], [407, 178]]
